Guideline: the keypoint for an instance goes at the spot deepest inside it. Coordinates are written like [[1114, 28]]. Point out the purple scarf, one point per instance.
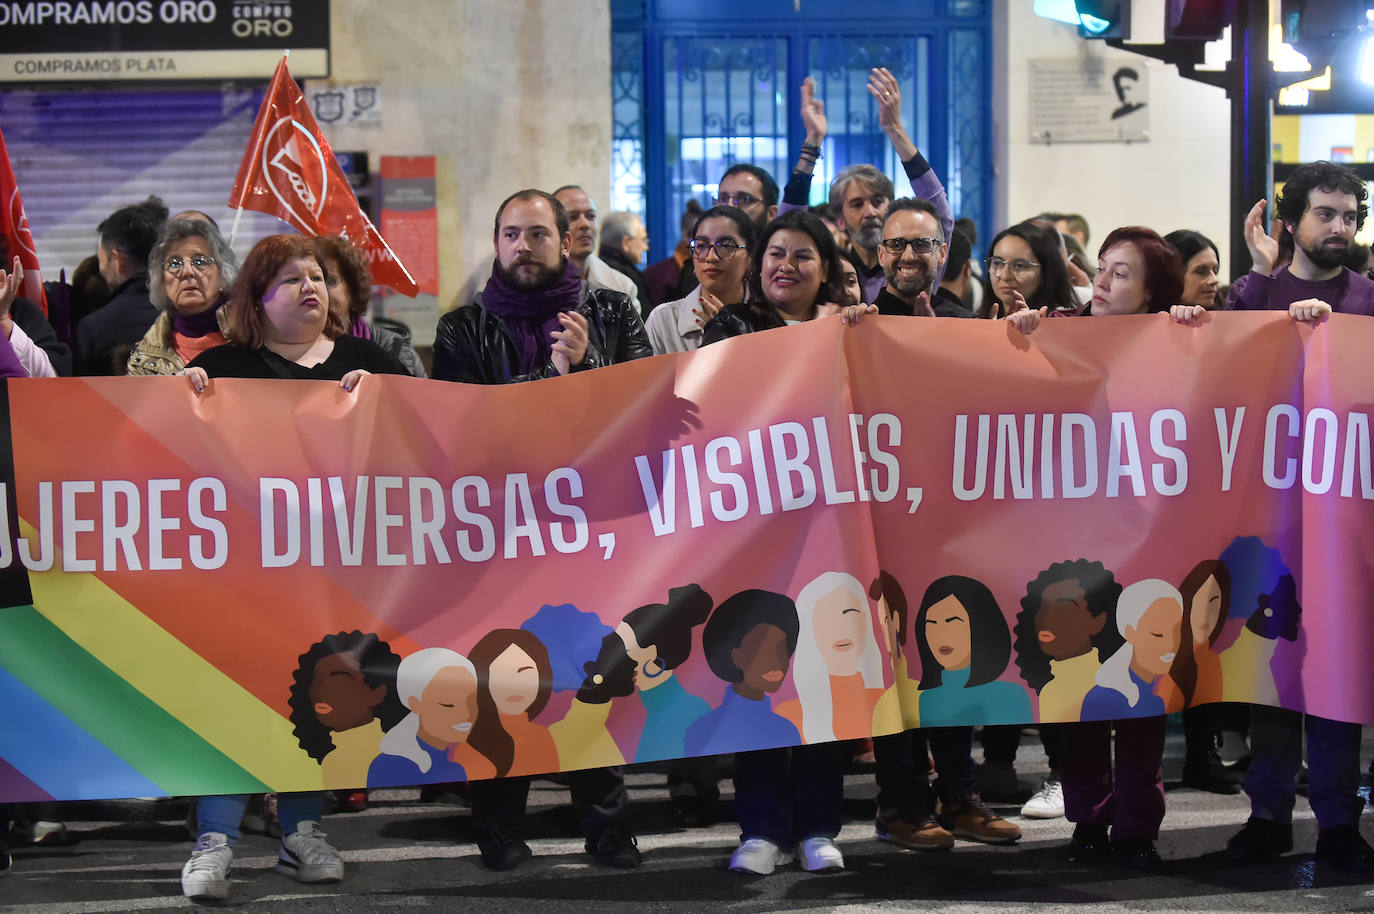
[[198, 325], [359, 327], [532, 316]]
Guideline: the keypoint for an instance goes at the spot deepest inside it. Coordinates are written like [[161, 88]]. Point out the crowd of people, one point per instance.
[[167, 296]]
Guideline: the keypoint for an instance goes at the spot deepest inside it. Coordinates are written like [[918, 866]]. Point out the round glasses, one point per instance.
[[1019, 267], [724, 249], [200, 263]]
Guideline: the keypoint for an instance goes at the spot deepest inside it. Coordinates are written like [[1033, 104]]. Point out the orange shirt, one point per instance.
[[852, 707], [477, 766], [535, 751], [188, 347]]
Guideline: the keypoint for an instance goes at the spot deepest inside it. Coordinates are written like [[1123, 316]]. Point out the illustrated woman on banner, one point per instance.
[[639, 657], [964, 645], [838, 669]]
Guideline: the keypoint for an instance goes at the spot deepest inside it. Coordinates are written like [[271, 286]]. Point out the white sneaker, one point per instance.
[[820, 854], [306, 856], [758, 856], [1047, 802], [206, 874]]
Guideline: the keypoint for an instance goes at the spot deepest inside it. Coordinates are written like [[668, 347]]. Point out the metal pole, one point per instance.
[[1251, 128]]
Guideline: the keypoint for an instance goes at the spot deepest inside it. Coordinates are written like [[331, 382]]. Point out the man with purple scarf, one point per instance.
[[537, 318]]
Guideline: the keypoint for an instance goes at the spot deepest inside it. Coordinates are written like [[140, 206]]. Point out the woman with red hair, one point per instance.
[[278, 325]]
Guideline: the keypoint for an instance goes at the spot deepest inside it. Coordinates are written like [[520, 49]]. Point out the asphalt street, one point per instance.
[[127, 856]]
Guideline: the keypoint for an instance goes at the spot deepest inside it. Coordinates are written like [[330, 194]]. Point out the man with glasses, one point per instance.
[[912, 253], [582, 252], [751, 189]]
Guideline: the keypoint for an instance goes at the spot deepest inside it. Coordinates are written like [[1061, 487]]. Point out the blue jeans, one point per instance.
[[224, 814], [1333, 766]]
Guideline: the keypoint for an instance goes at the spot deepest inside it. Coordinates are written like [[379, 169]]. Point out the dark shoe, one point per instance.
[[997, 782], [1259, 841], [691, 811], [615, 845], [5, 861], [1208, 772], [1089, 844], [1136, 854], [969, 818], [501, 847], [1344, 848]]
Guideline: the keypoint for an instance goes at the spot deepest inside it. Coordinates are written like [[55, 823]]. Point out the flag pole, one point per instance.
[[238, 210]]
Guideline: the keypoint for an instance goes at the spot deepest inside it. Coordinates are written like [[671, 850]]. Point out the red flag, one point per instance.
[[14, 226], [289, 171]]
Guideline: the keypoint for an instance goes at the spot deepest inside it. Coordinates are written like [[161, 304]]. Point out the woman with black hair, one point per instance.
[[787, 800], [1201, 261], [342, 699], [720, 245], [796, 273], [964, 645], [1026, 270]]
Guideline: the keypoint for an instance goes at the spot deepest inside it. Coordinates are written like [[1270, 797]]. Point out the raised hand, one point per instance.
[[1264, 246], [813, 113], [710, 307]]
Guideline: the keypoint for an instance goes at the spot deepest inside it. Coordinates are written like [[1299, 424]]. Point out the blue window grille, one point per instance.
[[701, 85]]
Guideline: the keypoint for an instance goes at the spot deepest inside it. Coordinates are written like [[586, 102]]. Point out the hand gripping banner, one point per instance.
[[801, 535]]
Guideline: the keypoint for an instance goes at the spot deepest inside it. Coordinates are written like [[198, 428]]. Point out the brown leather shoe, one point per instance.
[[967, 817], [926, 835]]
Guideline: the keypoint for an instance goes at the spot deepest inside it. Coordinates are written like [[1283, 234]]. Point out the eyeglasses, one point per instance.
[[725, 249], [922, 245], [1018, 267], [200, 263], [742, 200]]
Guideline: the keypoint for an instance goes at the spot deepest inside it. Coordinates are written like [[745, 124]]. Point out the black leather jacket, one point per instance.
[[472, 345]]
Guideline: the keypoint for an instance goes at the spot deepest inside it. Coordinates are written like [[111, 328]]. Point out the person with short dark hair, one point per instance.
[[956, 289], [913, 254], [127, 237], [1322, 206], [538, 317], [750, 188], [581, 215], [663, 278]]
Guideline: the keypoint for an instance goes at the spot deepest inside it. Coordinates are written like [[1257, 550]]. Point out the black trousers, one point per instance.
[[598, 795]]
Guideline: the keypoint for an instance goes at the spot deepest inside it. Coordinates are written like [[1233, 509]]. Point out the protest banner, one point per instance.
[[800, 535]]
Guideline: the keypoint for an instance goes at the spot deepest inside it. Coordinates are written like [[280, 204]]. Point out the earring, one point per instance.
[[654, 668]]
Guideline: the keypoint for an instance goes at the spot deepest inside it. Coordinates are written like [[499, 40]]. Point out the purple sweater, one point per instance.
[[10, 366], [1347, 293], [924, 184]]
